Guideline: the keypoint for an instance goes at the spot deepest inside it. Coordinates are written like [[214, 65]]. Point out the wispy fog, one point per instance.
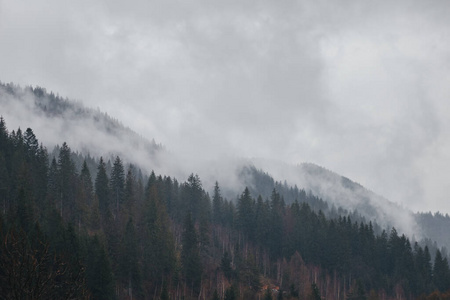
[[358, 87], [92, 132]]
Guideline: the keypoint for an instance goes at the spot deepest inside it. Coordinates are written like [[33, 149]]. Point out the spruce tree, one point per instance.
[[4, 184], [217, 203], [245, 213], [31, 144], [158, 242], [441, 272], [102, 188], [67, 179], [117, 184]]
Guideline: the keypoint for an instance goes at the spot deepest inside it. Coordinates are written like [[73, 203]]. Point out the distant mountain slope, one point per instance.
[[337, 191], [84, 129], [341, 192], [58, 119]]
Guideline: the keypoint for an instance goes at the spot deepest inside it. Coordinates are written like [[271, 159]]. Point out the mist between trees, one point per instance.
[[119, 234]]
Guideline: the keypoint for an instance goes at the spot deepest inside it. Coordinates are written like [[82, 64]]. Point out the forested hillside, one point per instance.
[[92, 133], [69, 235], [88, 130]]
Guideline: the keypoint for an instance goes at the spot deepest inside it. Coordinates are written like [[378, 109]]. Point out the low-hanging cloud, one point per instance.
[[358, 87]]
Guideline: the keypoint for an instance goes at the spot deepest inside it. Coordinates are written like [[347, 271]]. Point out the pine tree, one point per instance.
[[85, 195], [276, 224], [31, 144], [102, 188], [67, 179], [217, 204], [4, 140], [194, 196], [245, 215], [41, 174], [53, 187], [130, 193], [117, 184], [4, 184], [158, 242], [441, 272]]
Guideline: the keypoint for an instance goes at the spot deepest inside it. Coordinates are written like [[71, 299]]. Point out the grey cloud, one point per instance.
[[358, 87]]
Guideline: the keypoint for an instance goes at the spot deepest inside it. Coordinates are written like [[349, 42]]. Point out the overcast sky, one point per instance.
[[359, 87]]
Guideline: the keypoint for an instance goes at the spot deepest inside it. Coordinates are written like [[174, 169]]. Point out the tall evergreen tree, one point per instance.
[[85, 195], [67, 178], [102, 188], [117, 184], [245, 213], [194, 196], [130, 193], [441, 272], [158, 242], [31, 144], [217, 204], [4, 184]]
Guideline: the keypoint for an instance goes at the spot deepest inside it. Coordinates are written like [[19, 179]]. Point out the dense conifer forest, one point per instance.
[[66, 234], [75, 226]]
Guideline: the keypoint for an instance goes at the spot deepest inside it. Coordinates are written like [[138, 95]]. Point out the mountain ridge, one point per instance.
[[333, 188]]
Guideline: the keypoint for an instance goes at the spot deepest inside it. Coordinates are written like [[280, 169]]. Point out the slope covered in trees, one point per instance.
[[61, 119], [66, 234], [87, 130]]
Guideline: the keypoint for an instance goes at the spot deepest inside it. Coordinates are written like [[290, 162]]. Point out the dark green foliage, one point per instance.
[[231, 293], [129, 268], [280, 295], [99, 277], [441, 272], [158, 243], [315, 294], [164, 292], [190, 255], [122, 240], [85, 195], [4, 183], [357, 292], [217, 205], [194, 198], [24, 215], [117, 184], [246, 213], [268, 294], [225, 265], [215, 295], [31, 144], [249, 273], [130, 193], [30, 270], [67, 182], [102, 188]]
